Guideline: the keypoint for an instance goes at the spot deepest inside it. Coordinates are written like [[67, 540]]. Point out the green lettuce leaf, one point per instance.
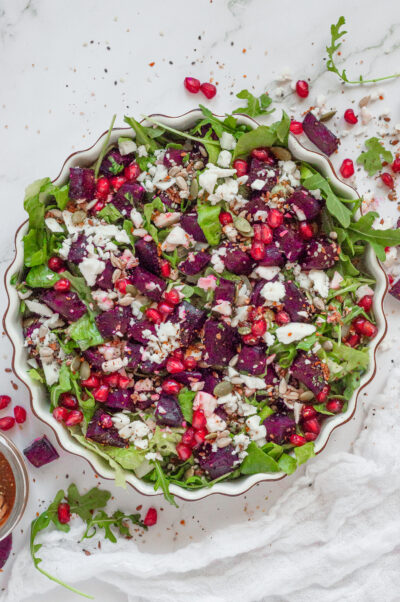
[[207, 218], [258, 461], [41, 276], [185, 399], [85, 332], [264, 135], [304, 452], [110, 214]]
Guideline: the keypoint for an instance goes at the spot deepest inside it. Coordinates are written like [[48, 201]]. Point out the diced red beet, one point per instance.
[[143, 404], [168, 411], [68, 304], [133, 354], [252, 359], [41, 452], [307, 368], [219, 411], [146, 252], [305, 206], [320, 254], [120, 399], [210, 378], [78, 249], [132, 193], [238, 261], [187, 378], [113, 321], [256, 203], [273, 256], [191, 320], [256, 298], [81, 184], [225, 291], [94, 357], [113, 163], [215, 464], [395, 290], [29, 330], [5, 549], [135, 331], [279, 428], [271, 377], [220, 341], [104, 280], [105, 436], [195, 263], [190, 225], [173, 157], [289, 242], [149, 367], [319, 134], [147, 283], [259, 170], [295, 303]]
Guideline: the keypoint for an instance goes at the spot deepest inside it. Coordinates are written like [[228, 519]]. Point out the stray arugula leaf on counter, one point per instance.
[[255, 106], [336, 33], [373, 157]]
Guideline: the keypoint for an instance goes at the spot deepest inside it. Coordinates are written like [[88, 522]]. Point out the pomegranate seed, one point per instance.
[[200, 436], [387, 179], [112, 380], [282, 317], [64, 513], [396, 165], [310, 436], [98, 206], [249, 339], [323, 395], [62, 285], [151, 517], [306, 231], [153, 315], [257, 250], [60, 413], [172, 297], [275, 218], [199, 420], [171, 387], [358, 324], [123, 381], [102, 188], [352, 340], [121, 285], [117, 182], [262, 154], [308, 412], [296, 127], [347, 168], [369, 330], [311, 426], [188, 437], [225, 218], [190, 362], [177, 354], [68, 401], [91, 382], [192, 85], [101, 393], [334, 405], [209, 90], [259, 327], [74, 417], [4, 401], [184, 451], [302, 88], [165, 308], [106, 421], [390, 278], [297, 440], [132, 171], [263, 233], [350, 117], [165, 268], [6, 423], [56, 264], [366, 302], [241, 167], [174, 365]]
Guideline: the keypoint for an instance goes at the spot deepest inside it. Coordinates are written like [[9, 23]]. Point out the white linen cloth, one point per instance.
[[334, 535]]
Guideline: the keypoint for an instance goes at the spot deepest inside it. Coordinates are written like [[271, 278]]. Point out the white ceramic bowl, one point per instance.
[[39, 396]]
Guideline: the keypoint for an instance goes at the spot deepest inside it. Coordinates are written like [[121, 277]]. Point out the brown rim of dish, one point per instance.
[[261, 480], [20, 460]]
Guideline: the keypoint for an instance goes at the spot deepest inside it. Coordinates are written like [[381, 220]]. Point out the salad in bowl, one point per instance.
[[198, 301]]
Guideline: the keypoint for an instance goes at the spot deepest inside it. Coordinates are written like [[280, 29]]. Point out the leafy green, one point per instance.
[[207, 218], [264, 135], [61, 195], [217, 124], [110, 214], [257, 461], [313, 180], [143, 136], [287, 464], [41, 276], [35, 241], [117, 520], [128, 457], [35, 375], [255, 106], [104, 147], [148, 210], [185, 399], [129, 227], [85, 332], [304, 452], [62, 386], [78, 283], [163, 483], [378, 239], [371, 159]]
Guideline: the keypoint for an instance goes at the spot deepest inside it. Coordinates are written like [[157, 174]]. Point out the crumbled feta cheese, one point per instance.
[[224, 158], [137, 218], [257, 184], [90, 268], [294, 331], [273, 292], [206, 402], [289, 172], [126, 146], [39, 308], [336, 280], [208, 178], [114, 365], [269, 338], [53, 225], [120, 420], [267, 272], [215, 423], [51, 372], [241, 443], [363, 290], [141, 151], [257, 431], [223, 307], [207, 282], [175, 238], [320, 281], [165, 340], [303, 281], [164, 220], [227, 141], [225, 192]]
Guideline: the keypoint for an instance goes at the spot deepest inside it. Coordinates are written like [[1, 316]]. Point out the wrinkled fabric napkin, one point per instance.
[[334, 535]]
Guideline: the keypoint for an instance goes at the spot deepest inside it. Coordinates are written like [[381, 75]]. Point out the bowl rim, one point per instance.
[[21, 480], [219, 488]]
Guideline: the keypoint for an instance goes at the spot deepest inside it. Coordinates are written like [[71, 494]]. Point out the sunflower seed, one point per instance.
[[306, 396], [125, 301], [116, 275], [364, 101], [84, 370], [210, 436], [282, 386], [203, 151], [78, 217], [75, 364], [327, 345], [46, 352], [174, 171], [244, 330], [319, 304], [223, 388], [189, 472], [181, 183], [223, 442], [281, 153], [198, 165]]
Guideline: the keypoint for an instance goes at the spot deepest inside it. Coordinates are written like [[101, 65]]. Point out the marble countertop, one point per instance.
[[67, 67]]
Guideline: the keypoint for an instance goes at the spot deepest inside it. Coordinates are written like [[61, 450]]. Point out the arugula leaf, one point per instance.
[[85, 332], [61, 195], [163, 483], [185, 399], [304, 452], [350, 359], [129, 227], [118, 520], [257, 461], [371, 159], [35, 241], [207, 218], [110, 214], [148, 210], [378, 239], [78, 283], [62, 386], [104, 147], [35, 375], [40, 276], [264, 135], [255, 106], [143, 136], [83, 505], [217, 125], [313, 180]]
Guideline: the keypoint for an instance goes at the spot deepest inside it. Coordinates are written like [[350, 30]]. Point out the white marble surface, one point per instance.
[[67, 67]]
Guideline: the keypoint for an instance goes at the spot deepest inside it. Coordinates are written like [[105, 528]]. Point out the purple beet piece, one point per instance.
[[41, 452], [238, 261], [395, 290], [81, 183], [252, 359], [114, 163], [130, 192], [187, 378], [307, 368], [149, 367], [289, 242], [132, 352], [104, 280], [320, 254], [120, 399], [190, 319], [256, 203], [259, 170], [105, 436], [190, 225], [135, 331], [113, 321], [319, 134], [219, 411], [144, 403], [146, 252], [5, 549], [147, 283], [271, 377], [195, 263], [279, 428], [305, 206], [168, 411], [94, 357], [68, 305], [29, 330], [211, 379], [256, 298], [273, 257], [217, 463], [295, 303], [173, 157], [78, 249], [220, 341], [225, 291]]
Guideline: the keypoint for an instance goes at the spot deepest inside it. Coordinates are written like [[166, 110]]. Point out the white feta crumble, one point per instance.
[[336, 280], [163, 220], [223, 307], [137, 218], [225, 192], [320, 281], [141, 151], [303, 281], [257, 184], [215, 423], [241, 443], [269, 338], [39, 308], [208, 178], [53, 225], [267, 272], [366, 115], [175, 238], [294, 331], [114, 365], [290, 172], [165, 340], [364, 290], [257, 431], [227, 141], [273, 292], [126, 146], [224, 158], [206, 402], [90, 268]]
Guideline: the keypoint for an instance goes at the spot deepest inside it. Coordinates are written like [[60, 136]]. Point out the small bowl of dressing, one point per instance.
[[14, 486]]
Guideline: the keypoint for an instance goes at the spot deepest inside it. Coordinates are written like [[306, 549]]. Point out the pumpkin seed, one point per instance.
[[327, 345], [269, 315], [132, 290], [75, 364], [194, 189], [244, 191], [243, 226], [327, 116], [78, 217], [223, 388], [244, 330], [189, 472], [84, 370], [306, 396], [281, 153]]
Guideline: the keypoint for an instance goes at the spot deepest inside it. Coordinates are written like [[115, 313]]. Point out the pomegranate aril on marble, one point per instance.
[[387, 179], [302, 89], [4, 401], [296, 127], [64, 513], [347, 168], [6, 423], [20, 414], [209, 90], [396, 165], [350, 116], [192, 84]]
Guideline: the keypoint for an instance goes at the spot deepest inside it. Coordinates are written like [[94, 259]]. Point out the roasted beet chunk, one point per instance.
[[41, 452], [104, 280], [395, 290], [273, 256], [211, 378], [195, 263], [146, 252], [173, 157], [187, 378], [128, 196], [135, 331], [220, 341], [225, 291], [319, 134], [320, 254], [238, 261], [308, 369], [261, 172], [168, 411], [133, 354], [256, 297], [120, 399], [147, 283], [94, 357], [252, 359], [68, 305], [81, 183], [190, 225], [215, 464], [78, 249], [114, 163], [304, 205], [279, 428], [190, 319], [289, 242], [103, 435], [5, 549], [295, 303], [113, 321]]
